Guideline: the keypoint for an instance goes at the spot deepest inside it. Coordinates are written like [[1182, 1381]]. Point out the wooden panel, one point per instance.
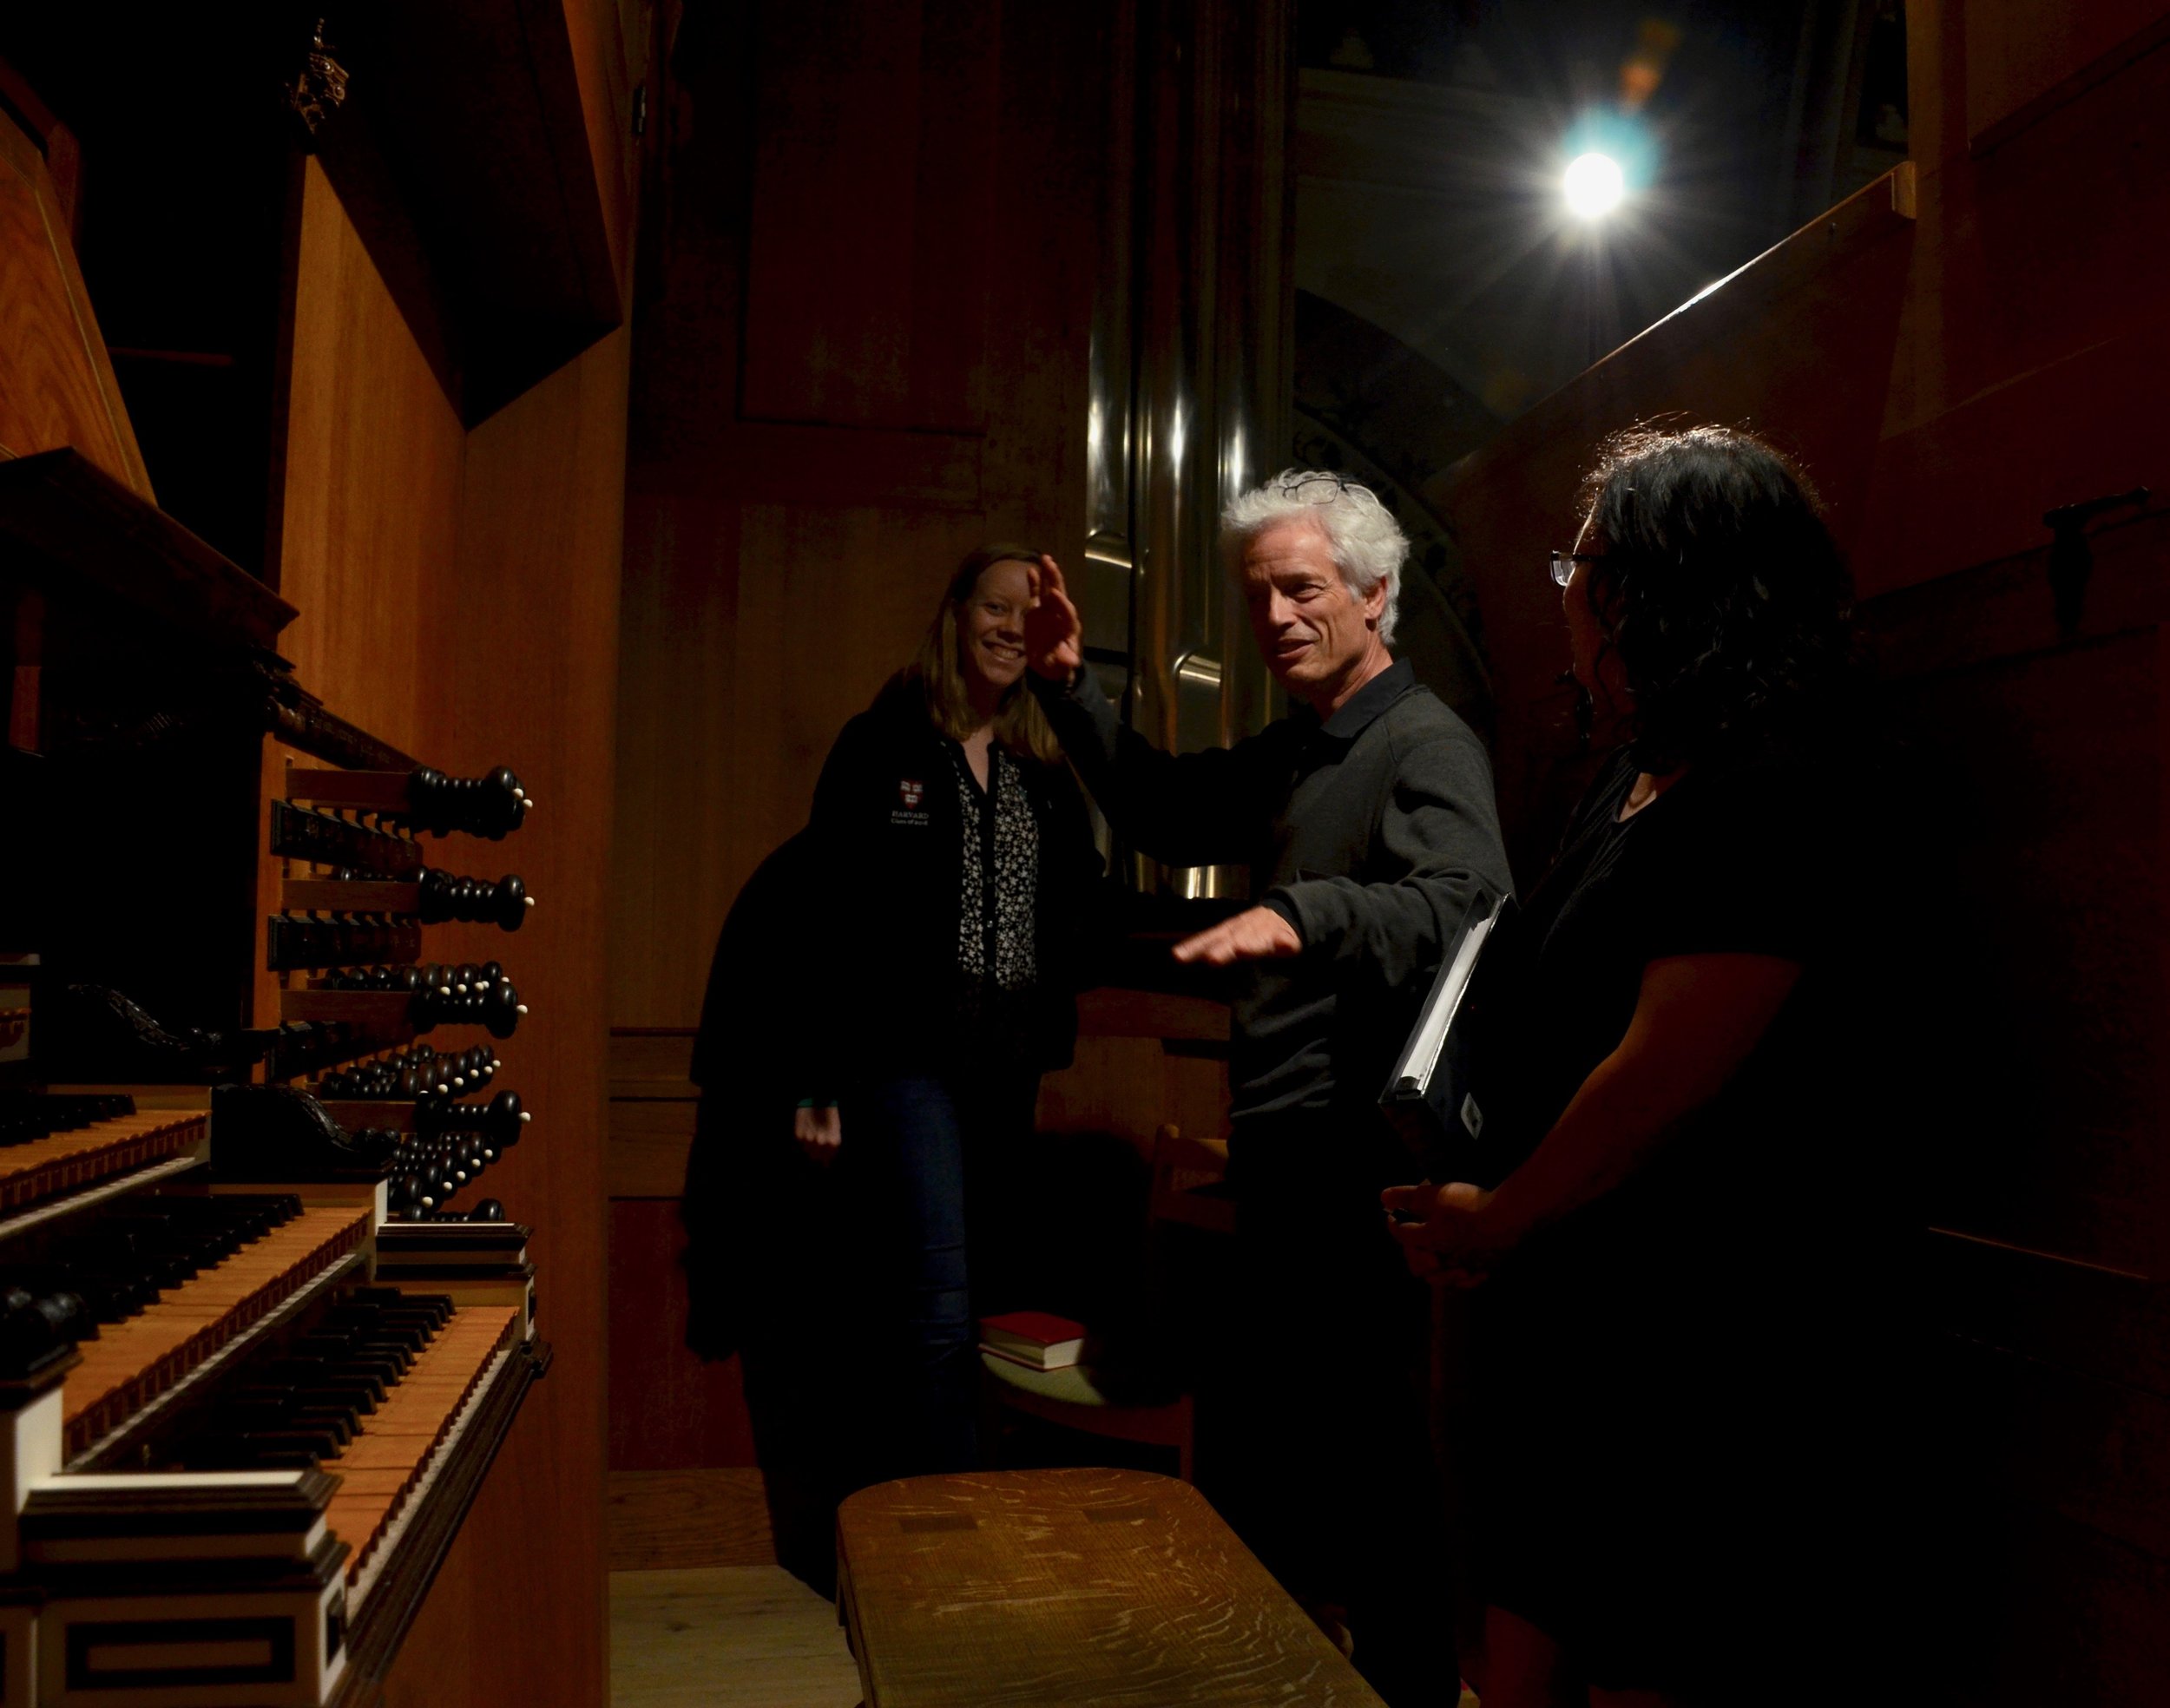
[[723, 727], [2053, 763], [2107, 1324], [466, 137], [460, 596], [677, 1412], [654, 1062], [2092, 1629], [609, 41], [2047, 1184], [873, 229], [648, 1142], [665, 1521], [778, 461], [374, 454], [2033, 299], [2047, 759], [2076, 1445], [538, 555], [2024, 57], [1151, 1014], [1130, 1087], [73, 526], [56, 383]]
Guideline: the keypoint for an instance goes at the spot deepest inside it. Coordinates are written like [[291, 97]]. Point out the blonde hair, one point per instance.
[[937, 676]]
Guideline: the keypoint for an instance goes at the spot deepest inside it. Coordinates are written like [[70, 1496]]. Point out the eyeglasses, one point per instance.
[[1310, 488], [1563, 564]]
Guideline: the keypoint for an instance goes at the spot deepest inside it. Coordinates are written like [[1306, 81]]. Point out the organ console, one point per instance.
[[254, 1362]]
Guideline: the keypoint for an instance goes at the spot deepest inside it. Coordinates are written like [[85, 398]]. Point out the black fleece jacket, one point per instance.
[[885, 850], [1372, 832]]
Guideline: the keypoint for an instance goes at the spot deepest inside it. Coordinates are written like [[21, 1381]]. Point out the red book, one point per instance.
[[1038, 1339]]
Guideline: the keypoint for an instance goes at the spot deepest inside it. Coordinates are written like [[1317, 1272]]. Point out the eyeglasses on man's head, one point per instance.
[[1321, 488]]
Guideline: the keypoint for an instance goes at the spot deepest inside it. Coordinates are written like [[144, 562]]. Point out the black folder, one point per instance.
[[1428, 1095]]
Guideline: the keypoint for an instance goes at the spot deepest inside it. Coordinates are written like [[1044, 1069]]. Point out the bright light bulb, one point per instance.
[[1593, 186]]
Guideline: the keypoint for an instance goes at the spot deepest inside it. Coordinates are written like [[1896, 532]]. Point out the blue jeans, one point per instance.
[[921, 1166]]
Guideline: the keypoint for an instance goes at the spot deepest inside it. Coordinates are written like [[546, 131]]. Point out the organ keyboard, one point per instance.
[[140, 1356], [253, 1368], [254, 1364], [393, 1450], [54, 1145]]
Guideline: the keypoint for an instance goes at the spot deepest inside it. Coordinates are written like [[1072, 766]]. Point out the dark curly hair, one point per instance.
[[1719, 589]]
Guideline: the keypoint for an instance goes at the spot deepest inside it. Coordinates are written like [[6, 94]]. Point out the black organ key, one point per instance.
[[303, 1394], [26, 1116], [38, 1323], [117, 1257]]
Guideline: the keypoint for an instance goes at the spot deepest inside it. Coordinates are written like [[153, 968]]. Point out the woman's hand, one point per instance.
[[1256, 934], [1055, 637], [819, 1132], [1449, 1231]]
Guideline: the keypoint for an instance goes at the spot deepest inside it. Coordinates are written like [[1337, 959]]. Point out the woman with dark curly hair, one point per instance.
[[1666, 1438]]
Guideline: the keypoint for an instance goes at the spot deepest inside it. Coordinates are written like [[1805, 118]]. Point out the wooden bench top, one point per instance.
[[1070, 1587]]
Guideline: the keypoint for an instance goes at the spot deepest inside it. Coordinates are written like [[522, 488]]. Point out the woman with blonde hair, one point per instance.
[[952, 868]]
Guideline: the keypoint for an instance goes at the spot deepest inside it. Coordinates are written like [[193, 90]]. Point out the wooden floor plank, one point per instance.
[[726, 1637]]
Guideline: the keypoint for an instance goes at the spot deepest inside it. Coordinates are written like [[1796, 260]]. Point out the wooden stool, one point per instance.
[[1069, 1588], [1189, 1179]]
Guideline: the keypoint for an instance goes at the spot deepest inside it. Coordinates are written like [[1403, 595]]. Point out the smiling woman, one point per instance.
[[946, 880], [973, 656]]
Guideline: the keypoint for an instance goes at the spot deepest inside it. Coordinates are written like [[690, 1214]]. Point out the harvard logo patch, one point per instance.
[[909, 790]]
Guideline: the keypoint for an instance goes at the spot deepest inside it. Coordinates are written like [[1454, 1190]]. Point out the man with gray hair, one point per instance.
[[1367, 821]]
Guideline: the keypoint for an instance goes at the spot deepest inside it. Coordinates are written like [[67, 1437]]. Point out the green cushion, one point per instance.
[[1071, 1385], [1076, 1385]]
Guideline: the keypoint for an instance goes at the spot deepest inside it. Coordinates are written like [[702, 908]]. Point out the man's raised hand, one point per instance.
[[1055, 638]]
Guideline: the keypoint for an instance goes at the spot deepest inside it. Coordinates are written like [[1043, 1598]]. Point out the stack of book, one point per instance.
[[1036, 1339]]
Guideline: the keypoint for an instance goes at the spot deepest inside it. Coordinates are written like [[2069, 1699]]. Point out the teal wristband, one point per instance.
[[811, 1103]]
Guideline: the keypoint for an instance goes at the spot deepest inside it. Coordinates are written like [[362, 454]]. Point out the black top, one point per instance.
[[1370, 831], [1686, 1390], [950, 930], [751, 1204], [1750, 860]]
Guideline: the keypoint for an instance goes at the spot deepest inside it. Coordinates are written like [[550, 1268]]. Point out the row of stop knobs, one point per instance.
[[453, 1142], [432, 1163], [417, 1073], [462, 996]]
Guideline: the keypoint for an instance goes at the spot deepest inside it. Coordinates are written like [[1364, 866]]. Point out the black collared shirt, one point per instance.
[[1371, 831]]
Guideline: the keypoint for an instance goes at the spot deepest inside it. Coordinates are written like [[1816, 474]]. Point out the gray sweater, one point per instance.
[[1371, 832]]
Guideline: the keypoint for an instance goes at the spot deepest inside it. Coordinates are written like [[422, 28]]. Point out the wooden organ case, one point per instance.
[[253, 1366]]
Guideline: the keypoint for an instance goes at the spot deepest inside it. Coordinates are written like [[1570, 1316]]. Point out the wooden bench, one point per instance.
[[1067, 1587]]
